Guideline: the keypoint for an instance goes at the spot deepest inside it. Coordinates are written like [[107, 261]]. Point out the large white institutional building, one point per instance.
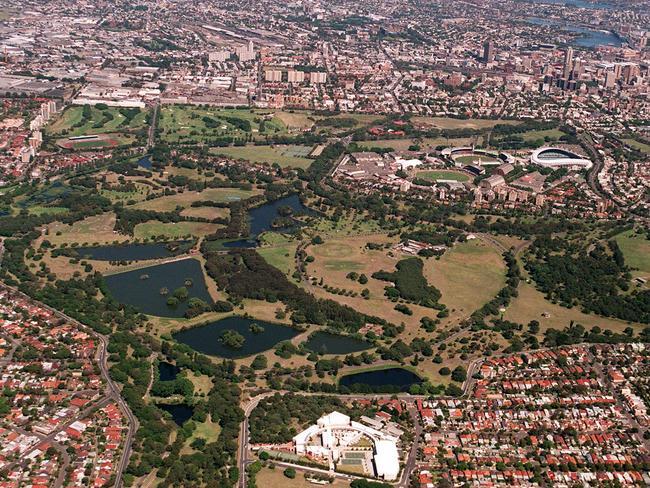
[[344, 442]]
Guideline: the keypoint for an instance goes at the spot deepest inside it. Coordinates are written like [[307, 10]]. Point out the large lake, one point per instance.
[[589, 37], [389, 380], [206, 338], [327, 343], [133, 252], [261, 219], [141, 287]]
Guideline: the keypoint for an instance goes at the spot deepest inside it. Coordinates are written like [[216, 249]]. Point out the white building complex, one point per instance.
[[349, 445], [554, 157]]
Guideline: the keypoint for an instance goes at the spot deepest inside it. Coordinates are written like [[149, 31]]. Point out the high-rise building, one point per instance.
[[317, 77], [568, 63], [488, 52], [294, 76], [273, 75]]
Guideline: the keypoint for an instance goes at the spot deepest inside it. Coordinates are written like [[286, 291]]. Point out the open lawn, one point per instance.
[[273, 478], [286, 156], [334, 259], [531, 304], [636, 250], [296, 120], [206, 212], [42, 210], [189, 124], [185, 199], [442, 175], [468, 275], [533, 135], [279, 251], [73, 122], [640, 146], [208, 430], [451, 123], [173, 230], [96, 229]]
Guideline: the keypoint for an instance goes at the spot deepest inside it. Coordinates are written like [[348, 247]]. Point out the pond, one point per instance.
[[262, 218], [167, 371], [389, 380], [207, 338], [145, 162], [133, 252], [180, 413], [327, 343], [143, 288]]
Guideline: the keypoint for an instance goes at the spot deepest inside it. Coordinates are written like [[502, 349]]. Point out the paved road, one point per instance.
[[112, 394]]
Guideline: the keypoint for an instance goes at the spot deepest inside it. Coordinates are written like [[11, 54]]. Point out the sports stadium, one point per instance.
[[554, 157]]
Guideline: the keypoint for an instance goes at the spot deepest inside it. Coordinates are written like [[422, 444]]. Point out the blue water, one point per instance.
[[133, 252], [383, 380], [133, 288], [167, 371], [180, 413], [205, 338], [261, 219], [326, 343], [145, 162], [589, 38], [577, 4]]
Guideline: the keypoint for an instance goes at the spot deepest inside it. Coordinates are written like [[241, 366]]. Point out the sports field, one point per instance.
[[290, 156], [79, 120], [471, 158], [190, 124], [443, 175]]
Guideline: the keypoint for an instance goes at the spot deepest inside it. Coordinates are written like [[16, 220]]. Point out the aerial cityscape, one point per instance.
[[352, 244]]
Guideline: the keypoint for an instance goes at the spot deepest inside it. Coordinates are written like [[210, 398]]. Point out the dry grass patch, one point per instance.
[[91, 230], [206, 212], [273, 478]]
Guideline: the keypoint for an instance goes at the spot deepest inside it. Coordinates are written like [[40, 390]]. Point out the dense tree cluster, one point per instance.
[[410, 284], [594, 277]]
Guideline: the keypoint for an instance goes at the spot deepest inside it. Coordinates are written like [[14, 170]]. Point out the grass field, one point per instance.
[[42, 210], [468, 276], [185, 199], [173, 230], [443, 175], [192, 124], [279, 251], [531, 304], [636, 250], [96, 229], [644, 148], [451, 123], [112, 119], [533, 135], [206, 212], [286, 156], [470, 159], [273, 478], [207, 430]]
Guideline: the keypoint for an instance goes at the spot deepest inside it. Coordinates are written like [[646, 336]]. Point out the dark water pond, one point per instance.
[[384, 380], [180, 413], [142, 287], [261, 219], [206, 338], [167, 371], [145, 162], [326, 343], [133, 252]]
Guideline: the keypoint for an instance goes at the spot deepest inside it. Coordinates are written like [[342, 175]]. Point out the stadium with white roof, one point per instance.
[[555, 157]]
